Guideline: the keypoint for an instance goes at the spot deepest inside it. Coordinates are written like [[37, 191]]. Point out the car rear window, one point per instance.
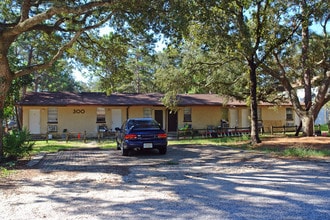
[[143, 124]]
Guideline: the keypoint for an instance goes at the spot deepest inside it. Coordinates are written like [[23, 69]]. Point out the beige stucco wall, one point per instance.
[[86, 119], [202, 116], [74, 122], [136, 112], [273, 116]]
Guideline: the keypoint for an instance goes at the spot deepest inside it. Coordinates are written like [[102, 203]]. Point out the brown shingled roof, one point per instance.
[[64, 98], [131, 99], [206, 99], [122, 99]]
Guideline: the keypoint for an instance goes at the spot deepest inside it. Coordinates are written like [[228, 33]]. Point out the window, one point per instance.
[[52, 115], [187, 115], [289, 114], [147, 113], [100, 115]]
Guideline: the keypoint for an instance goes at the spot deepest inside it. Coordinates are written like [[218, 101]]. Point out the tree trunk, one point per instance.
[[307, 119], [5, 82], [308, 124], [1, 134], [254, 105], [4, 87], [298, 129]]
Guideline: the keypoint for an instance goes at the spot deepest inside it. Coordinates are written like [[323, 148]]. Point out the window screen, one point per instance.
[[289, 114], [100, 115], [147, 113], [52, 115], [187, 115]]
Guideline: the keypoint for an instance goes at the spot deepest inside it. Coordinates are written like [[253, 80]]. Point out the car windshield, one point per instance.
[[142, 124]]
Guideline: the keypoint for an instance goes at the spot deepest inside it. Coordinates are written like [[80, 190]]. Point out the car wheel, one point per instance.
[[124, 152], [163, 150]]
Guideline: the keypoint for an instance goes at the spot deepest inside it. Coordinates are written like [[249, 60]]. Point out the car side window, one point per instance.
[[130, 124]]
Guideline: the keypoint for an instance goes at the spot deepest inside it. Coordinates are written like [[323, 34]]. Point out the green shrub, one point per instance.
[[17, 144], [323, 127]]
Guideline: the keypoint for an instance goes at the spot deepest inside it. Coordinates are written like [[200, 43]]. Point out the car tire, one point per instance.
[[124, 152], [162, 150]]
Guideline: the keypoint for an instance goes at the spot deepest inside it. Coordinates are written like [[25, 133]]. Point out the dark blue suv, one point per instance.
[[141, 134]]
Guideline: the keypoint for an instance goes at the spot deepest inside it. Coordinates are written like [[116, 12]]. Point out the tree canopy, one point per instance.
[[257, 51], [54, 26]]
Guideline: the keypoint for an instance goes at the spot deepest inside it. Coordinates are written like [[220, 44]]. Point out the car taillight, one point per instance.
[[163, 135], [130, 136]]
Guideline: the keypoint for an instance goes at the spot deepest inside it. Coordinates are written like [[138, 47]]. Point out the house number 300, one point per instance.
[[78, 111]]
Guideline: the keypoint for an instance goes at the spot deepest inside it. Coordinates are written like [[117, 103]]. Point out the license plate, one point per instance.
[[147, 145]]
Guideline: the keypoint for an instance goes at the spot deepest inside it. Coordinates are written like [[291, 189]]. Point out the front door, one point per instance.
[[245, 118], [116, 118], [172, 121], [233, 118], [34, 121], [159, 117]]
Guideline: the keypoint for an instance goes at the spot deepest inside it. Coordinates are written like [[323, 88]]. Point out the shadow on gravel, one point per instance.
[[188, 182]]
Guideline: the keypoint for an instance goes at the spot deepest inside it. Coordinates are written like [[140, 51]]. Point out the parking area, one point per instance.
[[189, 182]]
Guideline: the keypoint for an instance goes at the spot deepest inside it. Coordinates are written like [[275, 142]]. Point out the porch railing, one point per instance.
[[283, 129], [213, 133]]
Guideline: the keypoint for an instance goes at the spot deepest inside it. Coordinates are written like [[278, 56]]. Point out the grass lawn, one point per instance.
[[54, 145], [288, 149]]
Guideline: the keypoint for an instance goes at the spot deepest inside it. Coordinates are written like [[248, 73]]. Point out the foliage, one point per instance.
[[14, 96], [118, 63], [235, 47], [57, 78], [232, 39], [324, 127], [105, 58], [4, 171], [17, 144], [303, 61], [140, 64]]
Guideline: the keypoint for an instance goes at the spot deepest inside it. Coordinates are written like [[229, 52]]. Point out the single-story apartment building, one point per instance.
[[91, 112]]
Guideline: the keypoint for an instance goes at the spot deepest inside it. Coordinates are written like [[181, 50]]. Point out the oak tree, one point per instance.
[[62, 23]]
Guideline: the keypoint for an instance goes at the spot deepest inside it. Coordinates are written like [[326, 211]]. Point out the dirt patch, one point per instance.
[[288, 142]]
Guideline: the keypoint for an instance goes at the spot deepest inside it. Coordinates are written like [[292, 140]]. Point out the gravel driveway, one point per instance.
[[189, 182]]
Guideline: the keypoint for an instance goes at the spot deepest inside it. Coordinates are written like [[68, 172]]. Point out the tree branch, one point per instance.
[[48, 64], [284, 81], [60, 52], [26, 5], [29, 23], [216, 63]]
